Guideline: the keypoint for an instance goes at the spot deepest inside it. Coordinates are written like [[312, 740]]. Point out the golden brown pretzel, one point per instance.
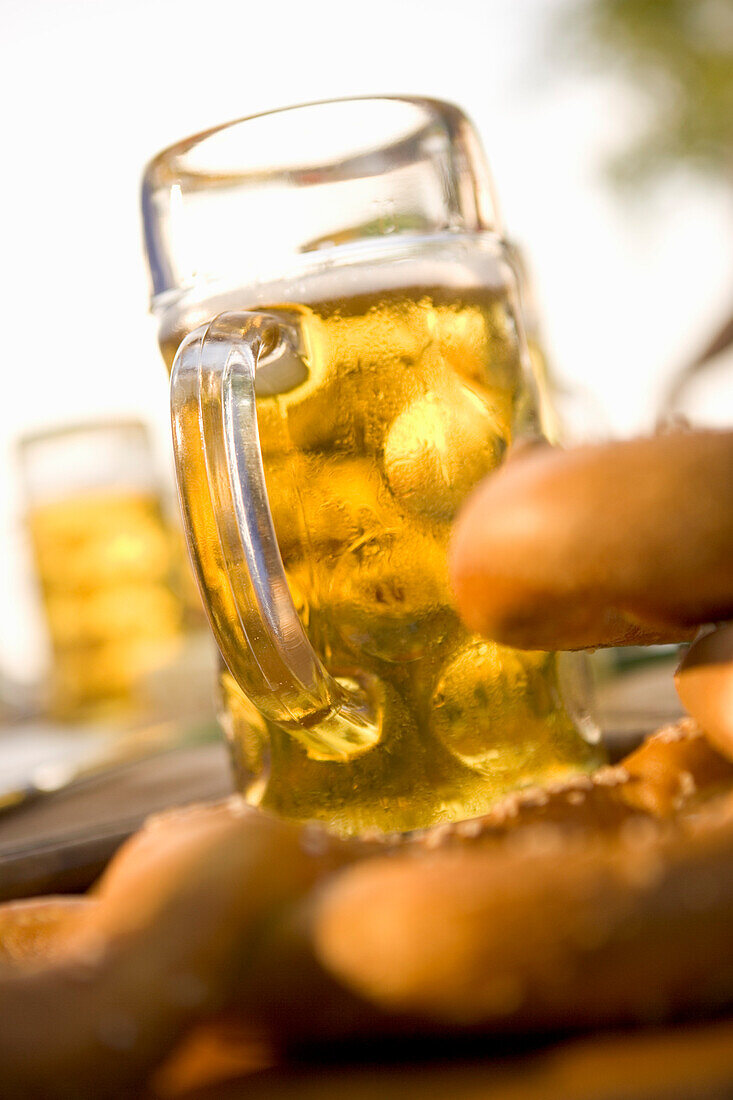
[[490, 924], [155, 951], [461, 926], [550, 932], [623, 543], [35, 928], [705, 685]]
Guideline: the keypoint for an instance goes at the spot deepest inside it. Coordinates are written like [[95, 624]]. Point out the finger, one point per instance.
[[624, 543]]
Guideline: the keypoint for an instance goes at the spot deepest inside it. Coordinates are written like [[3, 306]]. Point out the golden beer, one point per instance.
[[105, 563], [407, 396]]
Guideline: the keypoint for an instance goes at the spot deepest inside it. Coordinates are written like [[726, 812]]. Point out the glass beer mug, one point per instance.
[[348, 361]]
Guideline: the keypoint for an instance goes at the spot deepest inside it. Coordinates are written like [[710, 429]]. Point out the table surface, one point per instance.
[[61, 842], [685, 1062]]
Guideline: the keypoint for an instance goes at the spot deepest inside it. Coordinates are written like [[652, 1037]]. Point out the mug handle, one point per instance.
[[232, 541]]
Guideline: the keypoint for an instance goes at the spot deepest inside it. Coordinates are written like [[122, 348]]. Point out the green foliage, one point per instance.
[[679, 55]]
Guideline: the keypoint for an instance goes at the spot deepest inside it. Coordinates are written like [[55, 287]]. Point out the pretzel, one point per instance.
[[33, 929], [459, 927], [489, 925], [154, 951], [704, 683], [553, 932], [623, 543]]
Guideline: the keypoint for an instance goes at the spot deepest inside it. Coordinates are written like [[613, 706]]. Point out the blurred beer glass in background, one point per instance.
[[16, 699], [108, 565]]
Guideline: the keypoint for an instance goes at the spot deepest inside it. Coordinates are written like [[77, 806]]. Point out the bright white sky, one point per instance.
[[93, 88]]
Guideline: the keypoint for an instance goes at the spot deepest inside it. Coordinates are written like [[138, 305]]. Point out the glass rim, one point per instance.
[[274, 167], [59, 432], [183, 145]]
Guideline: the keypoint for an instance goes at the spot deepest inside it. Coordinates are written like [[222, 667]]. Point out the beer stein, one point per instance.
[[106, 564], [348, 361]]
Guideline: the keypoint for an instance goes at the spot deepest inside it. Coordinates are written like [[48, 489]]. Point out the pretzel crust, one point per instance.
[[624, 543]]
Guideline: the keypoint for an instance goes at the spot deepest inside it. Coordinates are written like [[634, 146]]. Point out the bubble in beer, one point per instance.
[[343, 501], [439, 448], [390, 597], [368, 359], [490, 703], [482, 345], [283, 495], [320, 504]]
